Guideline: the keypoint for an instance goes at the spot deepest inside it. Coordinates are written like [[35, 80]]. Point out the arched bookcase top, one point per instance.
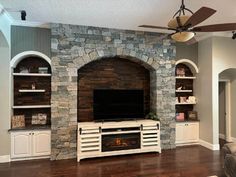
[[15, 60], [193, 67]]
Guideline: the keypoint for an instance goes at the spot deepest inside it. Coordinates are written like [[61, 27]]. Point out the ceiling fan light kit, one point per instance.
[[184, 25], [182, 36]]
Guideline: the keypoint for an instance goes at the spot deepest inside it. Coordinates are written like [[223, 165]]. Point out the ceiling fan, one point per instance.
[[184, 26]]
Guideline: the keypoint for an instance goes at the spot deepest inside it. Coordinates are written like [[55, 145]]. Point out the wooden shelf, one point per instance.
[[31, 90], [185, 103], [180, 77], [183, 91], [32, 74], [31, 106]]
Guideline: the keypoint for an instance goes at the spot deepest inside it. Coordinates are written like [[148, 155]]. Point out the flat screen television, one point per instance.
[[112, 104]]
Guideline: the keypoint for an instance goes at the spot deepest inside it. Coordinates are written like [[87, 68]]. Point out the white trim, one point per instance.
[[222, 136], [15, 60], [190, 63], [228, 109], [214, 147], [5, 158], [232, 139], [30, 158], [31, 24]]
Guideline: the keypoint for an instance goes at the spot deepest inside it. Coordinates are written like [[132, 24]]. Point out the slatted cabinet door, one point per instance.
[[89, 140], [150, 134]]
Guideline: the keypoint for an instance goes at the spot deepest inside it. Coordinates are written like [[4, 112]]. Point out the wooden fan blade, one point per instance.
[[191, 41], [202, 14], [215, 27], [156, 27], [155, 39]]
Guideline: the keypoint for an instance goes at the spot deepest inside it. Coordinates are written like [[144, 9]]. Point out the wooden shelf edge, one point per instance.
[[185, 103], [31, 106], [31, 90], [183, 91], [31, 74], [179, 77]]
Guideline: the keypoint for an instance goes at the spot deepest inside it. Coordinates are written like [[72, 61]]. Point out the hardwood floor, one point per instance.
[[191, 161]]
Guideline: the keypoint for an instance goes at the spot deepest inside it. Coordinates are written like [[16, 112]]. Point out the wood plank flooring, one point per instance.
[[191, 161]]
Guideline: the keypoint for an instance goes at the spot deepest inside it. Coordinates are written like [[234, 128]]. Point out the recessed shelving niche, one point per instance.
[[32, 90]]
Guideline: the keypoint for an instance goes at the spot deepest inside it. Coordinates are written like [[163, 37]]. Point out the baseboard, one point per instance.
[[233, 139], [222, 136], [214, 147], [4, 158]]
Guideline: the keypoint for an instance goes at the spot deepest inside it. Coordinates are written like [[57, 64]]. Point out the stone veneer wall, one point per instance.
[[75, 46]]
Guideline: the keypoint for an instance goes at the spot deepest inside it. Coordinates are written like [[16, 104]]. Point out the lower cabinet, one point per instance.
[[187, 132], [30, 144]]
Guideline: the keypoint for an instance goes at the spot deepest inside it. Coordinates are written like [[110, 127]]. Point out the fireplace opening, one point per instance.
[[120, 142]]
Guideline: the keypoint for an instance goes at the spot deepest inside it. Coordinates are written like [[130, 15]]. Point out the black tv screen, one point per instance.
[[111, 104]]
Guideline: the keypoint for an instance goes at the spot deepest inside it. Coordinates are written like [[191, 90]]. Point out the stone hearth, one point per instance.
[[75, 46]]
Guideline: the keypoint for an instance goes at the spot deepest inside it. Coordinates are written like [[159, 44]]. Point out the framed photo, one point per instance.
[[180, 72], [192, 115], [18, 121], [39, 119], [180, 116]]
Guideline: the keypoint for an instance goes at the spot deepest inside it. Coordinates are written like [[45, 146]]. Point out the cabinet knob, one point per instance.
[[29, 133], [32, 133]]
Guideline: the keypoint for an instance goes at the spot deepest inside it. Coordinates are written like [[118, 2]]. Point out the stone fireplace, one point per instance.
[[76, 47]]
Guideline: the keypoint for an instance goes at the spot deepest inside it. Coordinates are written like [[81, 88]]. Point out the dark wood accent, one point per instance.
[[29, 112], [22, 82], [32, 98], [191, 161], [110, 73]]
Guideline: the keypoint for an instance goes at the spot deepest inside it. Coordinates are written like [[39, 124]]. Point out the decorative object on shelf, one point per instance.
[[183, 99], [180, 72], [18, 121], [192, 115], [180, 116], [179, 88], [24, 70], [43, 70], [39, 119], [191, 99], [33, 86], [152, 115]]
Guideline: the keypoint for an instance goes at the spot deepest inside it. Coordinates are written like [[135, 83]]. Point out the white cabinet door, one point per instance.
[[192, 132], [180, 131], [20, 144], [187, 133], [41, 143]]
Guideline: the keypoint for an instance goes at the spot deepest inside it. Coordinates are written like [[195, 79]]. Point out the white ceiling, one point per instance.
[[121, 14]]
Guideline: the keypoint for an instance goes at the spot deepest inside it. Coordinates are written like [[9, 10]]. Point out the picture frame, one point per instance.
[[192, 115], [18, 121], [180, 117], [39, 119], [43, 70]]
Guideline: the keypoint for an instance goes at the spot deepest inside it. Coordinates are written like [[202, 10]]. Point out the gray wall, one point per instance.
[[4, 96], [29, 38], [204, 90], [184, 51], [222, 108]]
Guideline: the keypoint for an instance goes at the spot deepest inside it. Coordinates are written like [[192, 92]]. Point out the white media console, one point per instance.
[[98, 139]]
